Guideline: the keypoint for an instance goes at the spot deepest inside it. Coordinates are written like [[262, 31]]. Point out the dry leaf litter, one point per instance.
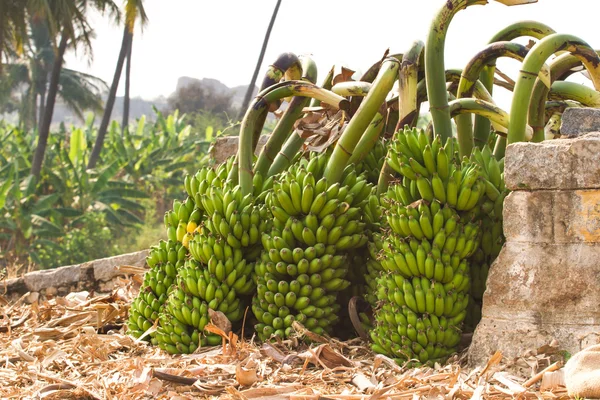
[[74, 347]]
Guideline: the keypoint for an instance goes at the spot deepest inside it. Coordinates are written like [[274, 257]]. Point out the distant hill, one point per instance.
[[139, 106], [238, 92]]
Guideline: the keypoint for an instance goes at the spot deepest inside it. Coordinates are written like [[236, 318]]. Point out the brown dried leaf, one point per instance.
[[344, 76], [220, 321], [327, 357], [245, 377]]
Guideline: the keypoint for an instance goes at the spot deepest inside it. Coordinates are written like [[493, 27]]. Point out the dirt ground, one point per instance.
[[75, 348]]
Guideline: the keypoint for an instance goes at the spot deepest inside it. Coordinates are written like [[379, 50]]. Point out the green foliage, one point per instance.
[[60, 219]]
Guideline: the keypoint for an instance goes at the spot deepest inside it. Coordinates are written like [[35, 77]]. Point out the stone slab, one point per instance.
[[227, 146], [537, 293], [554, 164], [62, 280], [552, 216], [63, 276], [105, 269], [579, 121]]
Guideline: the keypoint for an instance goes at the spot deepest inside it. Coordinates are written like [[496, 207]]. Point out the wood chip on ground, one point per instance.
[[75, 347]]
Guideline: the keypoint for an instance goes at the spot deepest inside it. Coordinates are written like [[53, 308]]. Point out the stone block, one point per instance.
[[554, 164], [105, 269], [579, 121], [536, 293], [226, 146], [38, 280], [552, 216]]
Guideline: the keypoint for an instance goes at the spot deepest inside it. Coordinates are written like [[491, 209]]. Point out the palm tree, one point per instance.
[[67, 18], [13, 26], [126, 98], [133, 10], [259, 63]]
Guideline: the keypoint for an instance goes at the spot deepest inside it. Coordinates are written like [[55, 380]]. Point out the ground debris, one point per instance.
[[74, 347]]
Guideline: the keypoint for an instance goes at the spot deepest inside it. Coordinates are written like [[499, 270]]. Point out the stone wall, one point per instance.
[[545, 284], [97, 276]]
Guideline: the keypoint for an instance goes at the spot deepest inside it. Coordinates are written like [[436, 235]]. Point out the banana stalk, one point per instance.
[[369, 77], [352, 88], [470, 75], [364, 115], [562, 90], [368, 140], [294, 141], [327, 84], [519, 29], [560, 69], [286, 64], [408, 102], [452, 76], [261, 103], [285, 125], [434, 66], [529, 71], [467, 106]]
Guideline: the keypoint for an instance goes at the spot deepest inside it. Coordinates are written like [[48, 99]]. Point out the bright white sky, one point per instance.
[[221, 39]]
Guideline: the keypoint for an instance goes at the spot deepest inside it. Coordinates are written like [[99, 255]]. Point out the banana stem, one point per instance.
[[563, 90], [285, 125], [260, 103], [286, 64], [364, 115], [368, 139], [434, 66], [408, 103], [519, 29], [470, 75], [369, 77], [479, 107], [285, 156], [352, 88], [530, 68], [293, 144], [560, 69], [327, 84], [500, 148]]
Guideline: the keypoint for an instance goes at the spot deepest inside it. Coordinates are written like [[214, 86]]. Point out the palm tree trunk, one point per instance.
[[110, 102], [42, 107], [250, 90], [1, 41], [127, 83], [44, 131]]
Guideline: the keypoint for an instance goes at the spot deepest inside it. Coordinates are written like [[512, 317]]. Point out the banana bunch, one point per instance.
[[304, 264], [373, 162], [431, 171], [238, 220], [182, 221], [214, 278], [374, 269], [492, 238], [424, 290], [164, 260]]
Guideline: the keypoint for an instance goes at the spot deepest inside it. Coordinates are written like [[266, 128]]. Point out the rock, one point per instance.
[[38, 280], [537, 293], [32, 297], [579, 121], [51, 291], [226, 146], [105, 269], [554, 164], [582, 374], [552, 216]]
